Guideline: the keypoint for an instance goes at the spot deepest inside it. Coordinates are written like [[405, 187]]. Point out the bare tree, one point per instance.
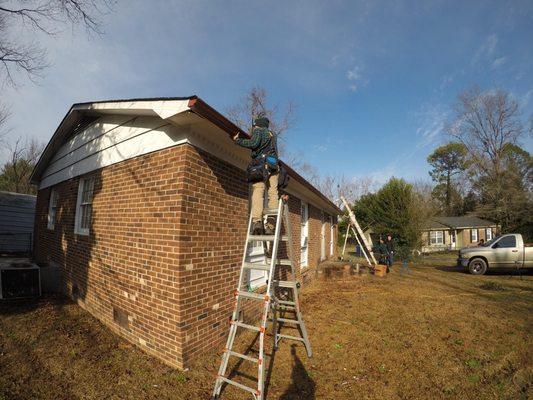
[[47, 17], [424, 203], [490, 126], [352, 189], [335, 186], [15, 173], [4, 115], [256, 102], [485, 122]]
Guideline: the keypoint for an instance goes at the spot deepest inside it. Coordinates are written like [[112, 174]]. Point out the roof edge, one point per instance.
[[203, 109], [196, 105]]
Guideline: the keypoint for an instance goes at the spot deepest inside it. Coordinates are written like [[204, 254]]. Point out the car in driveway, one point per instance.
[[505, 251]]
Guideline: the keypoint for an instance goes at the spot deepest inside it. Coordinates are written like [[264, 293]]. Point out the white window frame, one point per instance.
[[81, 204], [331, 235], [473, 236], [323, 252], [436, 238], [52, 209], [256, 254], [304, 236], [488, 234]]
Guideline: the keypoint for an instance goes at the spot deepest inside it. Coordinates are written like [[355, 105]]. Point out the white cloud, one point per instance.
[[431, 120], [446, 81], [354, 74], [355, 78], [490, 44], [525, 99], [498, 62], [486, 50]]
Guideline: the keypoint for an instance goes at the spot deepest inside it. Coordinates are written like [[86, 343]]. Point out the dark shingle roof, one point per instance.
[[432, 224], [457, 223]]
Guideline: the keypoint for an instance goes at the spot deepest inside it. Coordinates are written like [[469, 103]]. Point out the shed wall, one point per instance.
[[17, 214]]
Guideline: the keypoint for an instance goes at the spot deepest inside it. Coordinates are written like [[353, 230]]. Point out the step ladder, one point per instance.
[[280, 303]]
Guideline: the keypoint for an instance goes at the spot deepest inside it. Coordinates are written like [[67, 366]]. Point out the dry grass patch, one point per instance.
[[435, 333]]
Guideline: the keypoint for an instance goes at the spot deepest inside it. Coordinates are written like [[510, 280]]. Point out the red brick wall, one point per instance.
[[162, 260], [125, 271]]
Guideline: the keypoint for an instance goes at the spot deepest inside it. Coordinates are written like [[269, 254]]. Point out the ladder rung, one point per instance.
[[265, 238], [290, 321], [246, 326], [243, 356], [261, 266], [239, 385], [286, 284], [270, 211], [290, 337], [251, 295], [286, 302], [292, 308], [282, 261]]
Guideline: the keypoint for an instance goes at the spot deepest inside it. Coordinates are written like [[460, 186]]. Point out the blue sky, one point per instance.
[[373, 81]]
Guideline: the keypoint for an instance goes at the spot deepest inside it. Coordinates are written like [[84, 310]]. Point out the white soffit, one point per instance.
[[162, 108]]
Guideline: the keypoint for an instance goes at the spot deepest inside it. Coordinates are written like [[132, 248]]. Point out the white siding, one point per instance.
[[110, 140]]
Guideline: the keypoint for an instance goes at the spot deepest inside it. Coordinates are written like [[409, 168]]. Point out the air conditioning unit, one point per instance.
[[19, 280]]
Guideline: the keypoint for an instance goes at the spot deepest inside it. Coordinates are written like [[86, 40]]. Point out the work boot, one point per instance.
[[257, 228], [270, 226]]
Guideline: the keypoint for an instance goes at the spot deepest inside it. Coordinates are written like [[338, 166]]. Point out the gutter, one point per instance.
[[203, 109]]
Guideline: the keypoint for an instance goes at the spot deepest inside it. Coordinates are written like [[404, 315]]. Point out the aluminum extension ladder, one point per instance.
[[353, 223], [273, 302]]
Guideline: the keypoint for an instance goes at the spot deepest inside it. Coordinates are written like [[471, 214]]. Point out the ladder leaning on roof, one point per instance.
[[358, 232], [280, 296]]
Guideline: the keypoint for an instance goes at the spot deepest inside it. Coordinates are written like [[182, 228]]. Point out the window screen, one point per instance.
[[52, 209], [84, 209]]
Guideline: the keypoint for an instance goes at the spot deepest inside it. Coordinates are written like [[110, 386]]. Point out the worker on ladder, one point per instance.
[[264, 171]]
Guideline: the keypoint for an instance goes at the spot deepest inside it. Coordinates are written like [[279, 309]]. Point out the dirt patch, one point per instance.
[[432, 333]]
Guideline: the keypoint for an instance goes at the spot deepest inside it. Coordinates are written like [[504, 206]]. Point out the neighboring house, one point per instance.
[[17, 215], [448, 233], [143, 204]]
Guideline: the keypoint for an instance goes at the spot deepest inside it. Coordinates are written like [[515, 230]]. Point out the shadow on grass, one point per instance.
[[302, 385], [22, 359], [22, 306], [490, 272]]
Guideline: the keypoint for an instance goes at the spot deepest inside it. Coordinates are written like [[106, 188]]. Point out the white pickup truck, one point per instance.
[[503, 251]]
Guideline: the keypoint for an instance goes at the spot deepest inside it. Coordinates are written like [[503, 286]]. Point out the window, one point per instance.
[[436, 237], [331, 235], [84, 206], [505, 242], [304, 229], [473, 235], [488, 234], [52, 208], [256, 254]]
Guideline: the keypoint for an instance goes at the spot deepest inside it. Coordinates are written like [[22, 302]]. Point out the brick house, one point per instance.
[[450, 233], [143, 205]]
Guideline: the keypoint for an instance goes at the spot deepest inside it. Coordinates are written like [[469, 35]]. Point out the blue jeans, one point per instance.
[[390, 259]]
